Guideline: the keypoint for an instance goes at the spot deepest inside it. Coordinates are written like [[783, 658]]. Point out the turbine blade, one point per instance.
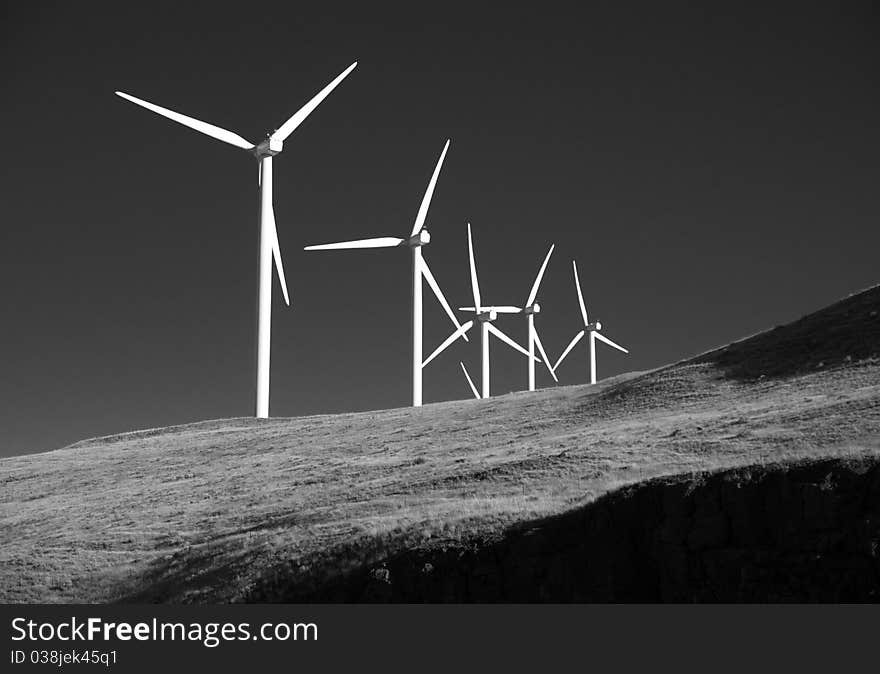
[[192, 123], [577, 284], [429, 193], [470, 381], [276, 254], [429, 277], [537, 284], [506, 309], [544, 356], [300, 115], [570, 346], [455, 335], [603, 338], [507, 340], [475, 284], [467, 309], [379, 242]]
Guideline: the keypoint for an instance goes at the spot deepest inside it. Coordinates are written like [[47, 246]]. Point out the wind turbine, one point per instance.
[[417, 238], [589, 328], [486, 315], [269, 249], [531, 308]]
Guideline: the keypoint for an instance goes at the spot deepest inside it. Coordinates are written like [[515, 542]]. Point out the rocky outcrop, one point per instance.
[[803, 532]]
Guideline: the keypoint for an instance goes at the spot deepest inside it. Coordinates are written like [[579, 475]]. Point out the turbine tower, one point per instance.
[[589, 328], [531, 308], [269, 248], [486, 315], [417, 238]]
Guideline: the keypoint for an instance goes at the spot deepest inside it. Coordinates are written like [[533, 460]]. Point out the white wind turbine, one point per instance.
[[531, 308], [269, 249], [589, 328], [485, 315], [417, 238]]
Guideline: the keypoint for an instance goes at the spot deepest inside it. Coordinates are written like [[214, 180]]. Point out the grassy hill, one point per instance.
[[235, 509]]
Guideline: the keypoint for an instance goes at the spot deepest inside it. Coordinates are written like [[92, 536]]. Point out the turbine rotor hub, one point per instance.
[[487, 315], [593, 327], [420, 239], [533, 309], [268, 148]]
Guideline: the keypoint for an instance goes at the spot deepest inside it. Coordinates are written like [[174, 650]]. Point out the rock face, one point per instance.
[[800, 533]]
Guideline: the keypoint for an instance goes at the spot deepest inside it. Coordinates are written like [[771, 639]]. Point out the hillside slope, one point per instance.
[[241, 509]]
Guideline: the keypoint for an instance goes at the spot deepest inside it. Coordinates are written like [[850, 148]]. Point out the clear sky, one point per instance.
[[714, 173]]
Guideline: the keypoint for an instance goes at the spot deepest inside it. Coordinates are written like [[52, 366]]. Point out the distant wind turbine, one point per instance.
[[589, 328], [417, 238], [269, 249], [485, 315], [531, 308]]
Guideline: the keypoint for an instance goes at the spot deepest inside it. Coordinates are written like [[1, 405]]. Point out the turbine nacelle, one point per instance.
[[487, 315], [268, 148], [422, 238], [593, 327], [533, 309]]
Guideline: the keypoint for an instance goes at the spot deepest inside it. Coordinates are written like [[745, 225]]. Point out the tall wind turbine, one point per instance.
[[269, 249], [485, 315], [531, 308], [417, 238], [589, 328]]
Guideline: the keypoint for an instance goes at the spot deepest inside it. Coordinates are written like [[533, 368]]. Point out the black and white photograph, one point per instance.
[[540, 311]]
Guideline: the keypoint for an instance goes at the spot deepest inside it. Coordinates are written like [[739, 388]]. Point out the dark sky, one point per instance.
[[715, 173]]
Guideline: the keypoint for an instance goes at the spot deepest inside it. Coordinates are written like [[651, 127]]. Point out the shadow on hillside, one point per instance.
[[799, 532], [200, 570], [803, 532], [843, 333]]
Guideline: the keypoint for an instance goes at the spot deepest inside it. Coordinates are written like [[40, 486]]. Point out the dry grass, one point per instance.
[[201, 512]]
